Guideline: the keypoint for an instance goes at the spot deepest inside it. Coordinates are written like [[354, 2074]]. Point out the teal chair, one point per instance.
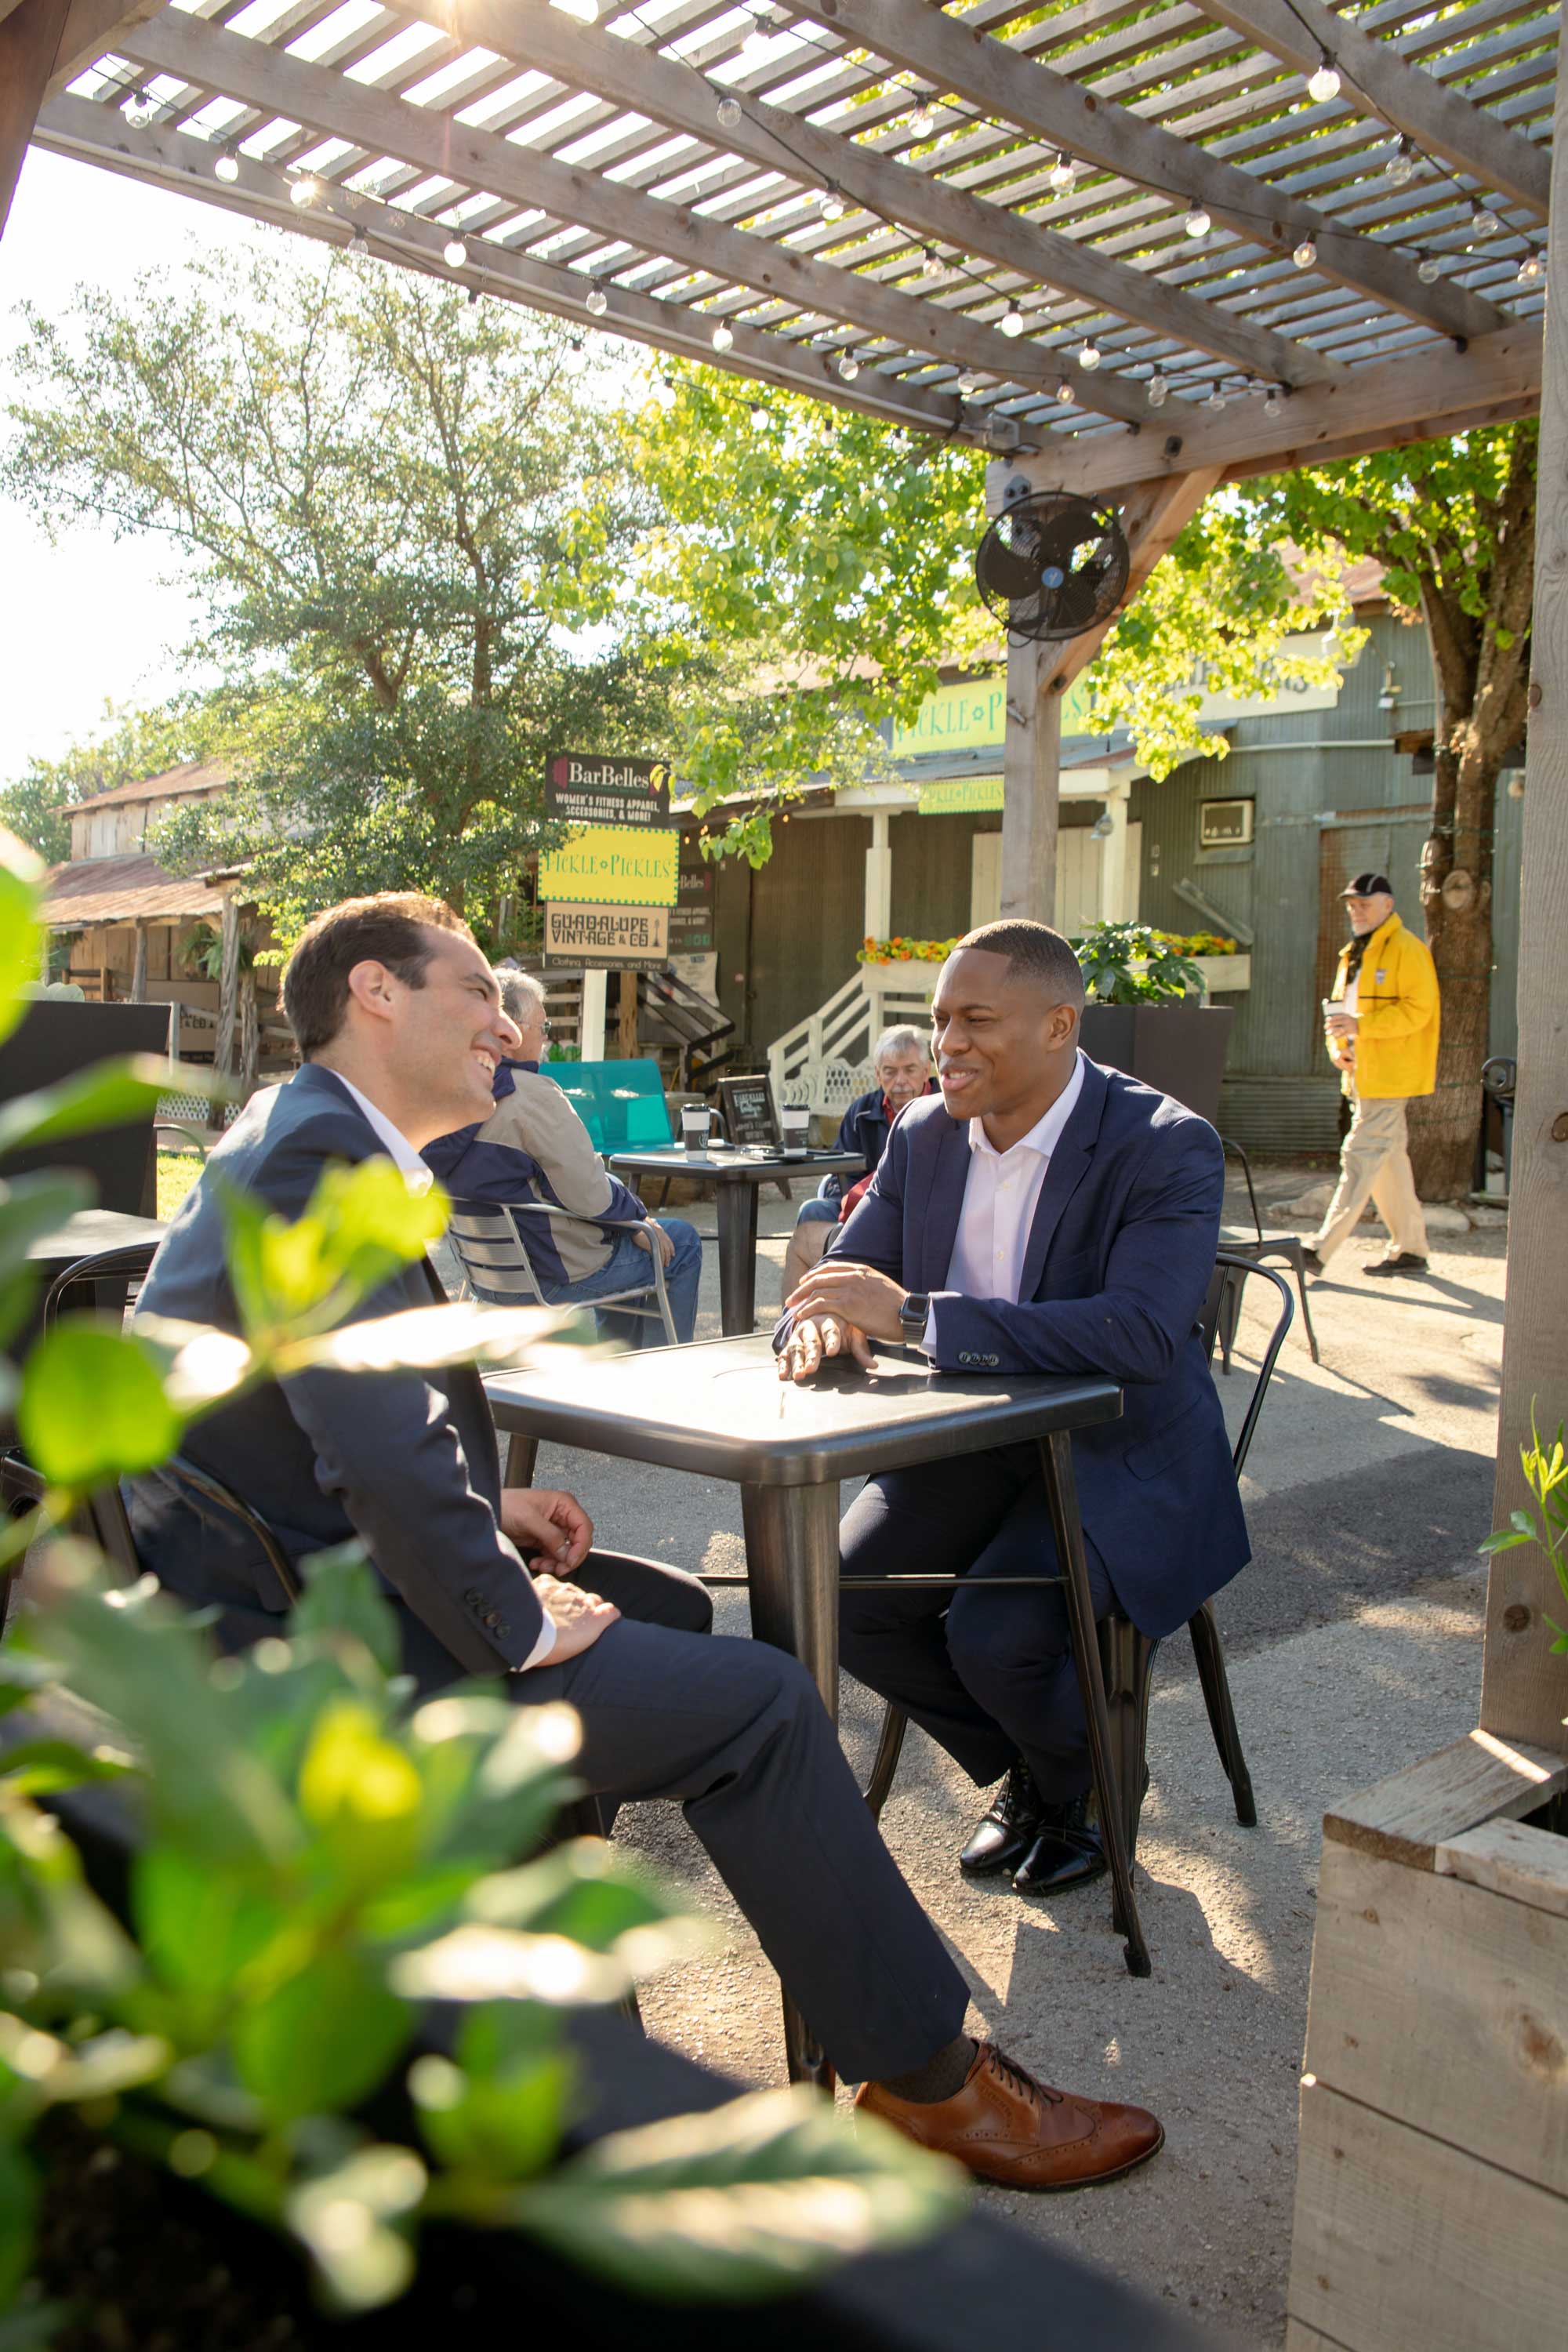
[[621, 1104]]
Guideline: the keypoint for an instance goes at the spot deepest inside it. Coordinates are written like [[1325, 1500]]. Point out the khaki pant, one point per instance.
[[1375, 1163]]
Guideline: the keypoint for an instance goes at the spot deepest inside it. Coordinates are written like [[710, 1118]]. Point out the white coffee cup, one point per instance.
[[795, 1122], [696, 1127]]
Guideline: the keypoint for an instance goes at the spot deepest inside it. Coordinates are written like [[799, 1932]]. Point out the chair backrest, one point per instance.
[[1231, 1270], [621, 1104], [492, 1255]]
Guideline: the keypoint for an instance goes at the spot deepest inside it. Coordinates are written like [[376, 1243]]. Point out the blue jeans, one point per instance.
[[629, 1265], [817, 1211]]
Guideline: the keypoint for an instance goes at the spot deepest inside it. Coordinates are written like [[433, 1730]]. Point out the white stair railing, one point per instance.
[[824, 1061]]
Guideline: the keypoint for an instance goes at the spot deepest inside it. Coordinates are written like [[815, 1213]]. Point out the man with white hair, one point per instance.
[[901, 1059], [534, 1146]]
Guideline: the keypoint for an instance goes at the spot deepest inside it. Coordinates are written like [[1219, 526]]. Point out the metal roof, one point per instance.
[[175, 784], [125, 890], [990, 222]]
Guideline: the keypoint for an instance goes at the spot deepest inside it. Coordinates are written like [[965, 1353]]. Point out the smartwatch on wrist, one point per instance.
[[913, 1315]]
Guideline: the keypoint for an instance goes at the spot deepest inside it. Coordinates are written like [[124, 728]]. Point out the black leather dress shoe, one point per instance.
[[1405, 1263], [1068, 1851], [1007, 1832]]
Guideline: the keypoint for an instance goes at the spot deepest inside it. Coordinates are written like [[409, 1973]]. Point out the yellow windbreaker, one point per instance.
[[1397, 1014]]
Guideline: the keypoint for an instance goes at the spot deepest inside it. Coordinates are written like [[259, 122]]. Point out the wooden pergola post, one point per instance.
[[29, 44], [1524, 1689]]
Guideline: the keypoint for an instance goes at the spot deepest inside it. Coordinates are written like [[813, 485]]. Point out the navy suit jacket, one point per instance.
[[1119, 1255], [405, 1460]]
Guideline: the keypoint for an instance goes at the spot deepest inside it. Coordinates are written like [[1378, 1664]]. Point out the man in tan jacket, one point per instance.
[[1381, 1027]]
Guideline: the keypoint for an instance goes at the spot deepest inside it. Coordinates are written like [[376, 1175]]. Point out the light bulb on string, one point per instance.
[[968, 383], [304, 190], [1061, 174], [922, 123], [454, 253], [1066, 392], [759, 417], [1272, 404], [597, 303], [139, 110], [1306, 253], [1484, 222], [729, 113], [831, 205], [1401, 166], [1325, 83], [359, 245], [848, 366], [227, 168], [1216, 399], [752, 46], [723, 337], [1529, 270], [1089, 355], [1012, 322], [1158, 388], [931, 265], [1428, 269], [1198, 223]]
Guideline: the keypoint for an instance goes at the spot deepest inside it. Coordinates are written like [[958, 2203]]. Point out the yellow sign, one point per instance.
[[614, 865], [606, 938], [961, 796], [954, 718]]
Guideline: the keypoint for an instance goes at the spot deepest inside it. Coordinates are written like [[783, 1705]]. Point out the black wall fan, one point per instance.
[[1052, 565]]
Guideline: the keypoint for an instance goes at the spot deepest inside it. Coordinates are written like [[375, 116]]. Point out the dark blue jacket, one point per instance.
[[1119, 1258]]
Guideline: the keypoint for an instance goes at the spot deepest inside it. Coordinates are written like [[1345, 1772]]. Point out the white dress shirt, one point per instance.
[[1000, 1197], [401, 1152]]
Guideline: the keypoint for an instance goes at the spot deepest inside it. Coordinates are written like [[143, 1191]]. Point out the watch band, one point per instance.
[[914, 1313]]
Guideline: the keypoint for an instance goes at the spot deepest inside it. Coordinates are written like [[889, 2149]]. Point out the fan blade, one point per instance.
[[1008, 571]]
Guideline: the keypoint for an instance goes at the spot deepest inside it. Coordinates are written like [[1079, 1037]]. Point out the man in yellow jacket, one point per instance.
[[1381, 1025]]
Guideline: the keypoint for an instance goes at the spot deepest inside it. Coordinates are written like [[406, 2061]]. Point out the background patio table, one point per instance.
[[717, 1408], [738, 1177]]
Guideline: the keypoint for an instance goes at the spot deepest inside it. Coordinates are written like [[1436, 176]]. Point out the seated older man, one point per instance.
[[534, 1147], [901, 1059]]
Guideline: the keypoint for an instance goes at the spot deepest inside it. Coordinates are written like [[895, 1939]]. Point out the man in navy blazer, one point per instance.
[[1046, 1216], [398, 1016]]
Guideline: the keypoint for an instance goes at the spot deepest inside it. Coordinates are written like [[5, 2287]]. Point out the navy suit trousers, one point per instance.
[[989, 1675]]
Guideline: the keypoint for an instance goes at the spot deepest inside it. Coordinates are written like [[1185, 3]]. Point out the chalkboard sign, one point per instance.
[[749, 1112]]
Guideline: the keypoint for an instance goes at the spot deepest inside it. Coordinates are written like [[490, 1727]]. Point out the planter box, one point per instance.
[[1223, 975], [1432, 2197], [1179, 1048]]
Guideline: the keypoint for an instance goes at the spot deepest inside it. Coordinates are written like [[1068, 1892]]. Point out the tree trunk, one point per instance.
[[227, 987], [249, 1037], [139, 967]]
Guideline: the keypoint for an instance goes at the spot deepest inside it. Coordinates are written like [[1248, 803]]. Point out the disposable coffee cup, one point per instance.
[[796, 1127], [695, 1129]]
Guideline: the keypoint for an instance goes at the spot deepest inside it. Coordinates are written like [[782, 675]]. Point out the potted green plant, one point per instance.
[[1146, 1015]]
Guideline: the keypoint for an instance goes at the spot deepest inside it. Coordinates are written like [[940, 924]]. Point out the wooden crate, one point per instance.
[[1432, 2197]]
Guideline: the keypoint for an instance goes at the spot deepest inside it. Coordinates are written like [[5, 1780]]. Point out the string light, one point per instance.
[[1061, 174], [729, 113], [1066, 392], [305, 190], [831, 205], [968, 382], [1306, 253], [139, 110], [359, 245], [848, 366], [597, 303], [1529, 270], [1273, 404], [1484, 222], [760, 416], [454, 253], [922, 123], [1089, 355], [723, 337], [1216, 399], [1400, 167], [228, 166], [932, 266], [1428, 269], [1198, 223], [1012, 322], [1158, 388], [1325, 82]]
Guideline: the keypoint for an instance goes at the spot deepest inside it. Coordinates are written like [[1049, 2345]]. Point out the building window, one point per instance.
[[1225, 825]]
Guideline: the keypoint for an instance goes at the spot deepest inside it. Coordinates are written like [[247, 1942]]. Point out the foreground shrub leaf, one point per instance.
[[92, 1407]]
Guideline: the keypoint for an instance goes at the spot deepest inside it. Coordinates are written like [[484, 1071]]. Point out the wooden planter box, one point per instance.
[[1431, 2198]]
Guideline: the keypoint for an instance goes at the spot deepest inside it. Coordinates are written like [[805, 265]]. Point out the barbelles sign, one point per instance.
[[590, 788]]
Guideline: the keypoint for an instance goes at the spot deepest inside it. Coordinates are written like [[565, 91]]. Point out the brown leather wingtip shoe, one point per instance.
[[1006, 2127]]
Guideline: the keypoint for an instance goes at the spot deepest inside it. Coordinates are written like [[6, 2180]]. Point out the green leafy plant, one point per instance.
[[315, 1860], [1127, 963], [1545, 1469]]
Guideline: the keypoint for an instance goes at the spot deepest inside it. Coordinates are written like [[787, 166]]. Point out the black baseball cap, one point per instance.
[[1366, 886]]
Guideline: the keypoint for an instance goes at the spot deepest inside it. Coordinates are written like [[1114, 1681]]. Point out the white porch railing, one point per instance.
[[824, 1061]]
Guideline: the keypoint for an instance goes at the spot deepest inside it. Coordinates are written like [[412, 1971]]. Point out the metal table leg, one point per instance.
[[1061, 1490], [792, 1558], [737, 1208]]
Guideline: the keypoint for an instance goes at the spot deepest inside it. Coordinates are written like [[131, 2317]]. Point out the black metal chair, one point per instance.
[[1127, 1656], [1289, 1246]]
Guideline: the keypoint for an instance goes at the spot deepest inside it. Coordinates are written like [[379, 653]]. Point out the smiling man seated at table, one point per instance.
[[1046, 1216], [399, 1020]]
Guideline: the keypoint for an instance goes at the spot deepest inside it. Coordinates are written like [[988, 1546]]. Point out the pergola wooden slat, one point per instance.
[[591, 176]]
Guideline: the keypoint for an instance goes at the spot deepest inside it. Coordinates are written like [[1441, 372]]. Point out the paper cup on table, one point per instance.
[[696, 1126], [797, 1124]]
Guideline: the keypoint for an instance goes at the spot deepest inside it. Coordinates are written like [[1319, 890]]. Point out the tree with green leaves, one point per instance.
[[1452, 525], [414, 525], [129, 746]]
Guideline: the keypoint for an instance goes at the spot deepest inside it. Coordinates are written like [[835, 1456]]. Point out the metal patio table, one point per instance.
[[719, 1409], [89, 1233], [739, 1177]]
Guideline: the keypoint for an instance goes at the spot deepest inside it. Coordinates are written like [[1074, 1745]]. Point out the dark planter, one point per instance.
[[1179, 1048]]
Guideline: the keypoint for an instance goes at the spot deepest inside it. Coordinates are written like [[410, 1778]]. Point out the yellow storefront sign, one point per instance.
[[961, 796], [612, 865]]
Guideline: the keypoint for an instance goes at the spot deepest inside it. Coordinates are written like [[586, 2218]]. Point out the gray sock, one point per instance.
[[938, 2078]]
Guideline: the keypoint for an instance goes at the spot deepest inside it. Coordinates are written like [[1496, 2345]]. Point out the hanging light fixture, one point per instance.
[[139, 110], [832, 203], [227, 168], [1066, 392], [1428, 269], [597, 303], [729, 113], [923, 122], [1089, 355], [723, 337], [848, 366], [1306, 253], [1198, 223], [454, 253], [1061, 174], [1272, 404], [930, 266], [305, 190], [1012, 322], [759, 417], [359, 245], [1158, 388], [1484, 222], [968, 382], [1531, 269], [1216, 399], [1400, 167], [1325, 83]]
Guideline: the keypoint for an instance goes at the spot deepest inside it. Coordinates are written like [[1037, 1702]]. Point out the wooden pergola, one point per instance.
[[1132, 252]]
